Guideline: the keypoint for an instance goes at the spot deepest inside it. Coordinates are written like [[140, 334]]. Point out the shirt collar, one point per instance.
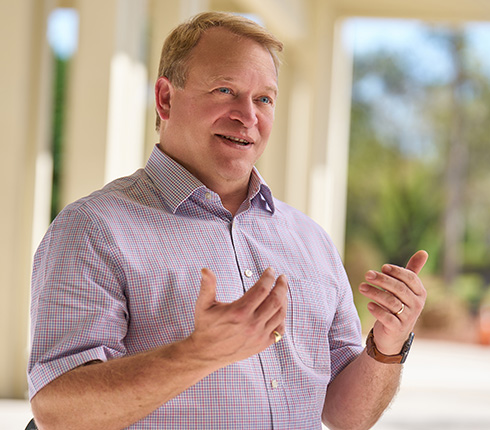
[[177, 184], [258, 188]]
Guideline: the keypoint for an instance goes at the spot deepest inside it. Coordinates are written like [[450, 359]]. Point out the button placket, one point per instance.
[[244, 260], [249, 269], [274, 382]]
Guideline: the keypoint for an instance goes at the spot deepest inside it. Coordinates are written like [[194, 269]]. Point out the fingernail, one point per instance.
[[387, 268], [270, 270], [283, 278], [204, 273], [371, 275]]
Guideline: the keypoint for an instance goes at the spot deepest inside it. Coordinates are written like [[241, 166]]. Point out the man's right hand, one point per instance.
[[124, 390], [229, 332]]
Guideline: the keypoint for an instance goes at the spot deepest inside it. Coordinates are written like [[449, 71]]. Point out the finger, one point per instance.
[[385, 317], [277, 322], [387, 283], [207, 293], [409, 281], [391, 302], [275, 301], [417, 261], [414, 265], [254, 297], [276, 335]]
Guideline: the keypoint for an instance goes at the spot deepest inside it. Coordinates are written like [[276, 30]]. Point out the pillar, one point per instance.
[[25, 173], [107, 96]]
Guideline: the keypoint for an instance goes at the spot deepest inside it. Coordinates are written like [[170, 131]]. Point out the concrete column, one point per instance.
[[329, 164], [84, 150], [25, 173], [127, 91], [105, 118], [298, 144], [337, 157]]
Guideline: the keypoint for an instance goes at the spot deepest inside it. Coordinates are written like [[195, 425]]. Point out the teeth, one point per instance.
[[236, 139]]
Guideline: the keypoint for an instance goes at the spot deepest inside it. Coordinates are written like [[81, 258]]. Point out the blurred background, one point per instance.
[[382, 136]]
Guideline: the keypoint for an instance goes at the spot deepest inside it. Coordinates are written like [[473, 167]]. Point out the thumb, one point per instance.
[[417, 261], [207, 293]]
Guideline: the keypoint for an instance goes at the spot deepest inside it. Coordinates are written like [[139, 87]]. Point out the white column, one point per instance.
[[328, 196], [105, 124], [127, 92], [25, 172], [298, 144]]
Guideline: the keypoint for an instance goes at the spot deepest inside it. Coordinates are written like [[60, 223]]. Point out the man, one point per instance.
[[186, 297]]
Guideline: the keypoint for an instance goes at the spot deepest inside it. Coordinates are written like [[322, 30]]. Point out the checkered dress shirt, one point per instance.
[[118, 272]]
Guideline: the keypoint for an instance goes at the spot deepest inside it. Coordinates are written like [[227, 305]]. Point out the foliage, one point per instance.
[[419, 155], [59, 115]]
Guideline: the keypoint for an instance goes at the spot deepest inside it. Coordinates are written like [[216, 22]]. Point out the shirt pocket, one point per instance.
[[310, 316]]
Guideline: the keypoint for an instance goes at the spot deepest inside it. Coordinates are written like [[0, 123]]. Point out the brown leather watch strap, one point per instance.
[[399, 358]]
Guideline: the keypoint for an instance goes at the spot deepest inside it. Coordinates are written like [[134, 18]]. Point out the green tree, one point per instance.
[[419, 154]]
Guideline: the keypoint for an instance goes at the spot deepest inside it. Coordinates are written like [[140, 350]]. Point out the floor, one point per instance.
[[15, 414]]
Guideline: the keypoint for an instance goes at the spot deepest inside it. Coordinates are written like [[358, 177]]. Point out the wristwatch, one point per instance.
[[400, 358]]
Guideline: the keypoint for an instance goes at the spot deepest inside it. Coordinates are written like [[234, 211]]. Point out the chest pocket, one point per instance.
[[310, 315]]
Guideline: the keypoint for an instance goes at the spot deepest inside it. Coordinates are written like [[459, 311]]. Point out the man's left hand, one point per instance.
[[398, 299]]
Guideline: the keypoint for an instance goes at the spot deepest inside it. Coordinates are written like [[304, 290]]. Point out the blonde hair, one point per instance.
[[180, 42]]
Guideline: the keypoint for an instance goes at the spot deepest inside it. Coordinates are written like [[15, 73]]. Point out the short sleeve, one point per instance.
[[345, 335], [78, 307]]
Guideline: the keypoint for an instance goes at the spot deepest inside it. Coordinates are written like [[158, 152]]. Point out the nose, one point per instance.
[[244, 111]]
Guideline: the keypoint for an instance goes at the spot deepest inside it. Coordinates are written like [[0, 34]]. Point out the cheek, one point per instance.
[[265, 125], [199, 119], [211, 113]]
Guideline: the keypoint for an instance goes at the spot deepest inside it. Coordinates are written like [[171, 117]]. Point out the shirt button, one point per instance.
[[248, 273], [207, 196], [274, 383]]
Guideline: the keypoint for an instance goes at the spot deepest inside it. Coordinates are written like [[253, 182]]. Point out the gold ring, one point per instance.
[[277, 336], [401, 310]]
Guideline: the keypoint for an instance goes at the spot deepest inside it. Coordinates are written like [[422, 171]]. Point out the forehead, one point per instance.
[[222, 54]]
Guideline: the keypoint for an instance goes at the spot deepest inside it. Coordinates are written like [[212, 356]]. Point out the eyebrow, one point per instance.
[[223, 78]]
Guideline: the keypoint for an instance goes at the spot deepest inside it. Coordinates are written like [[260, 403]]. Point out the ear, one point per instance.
[[163, 91]]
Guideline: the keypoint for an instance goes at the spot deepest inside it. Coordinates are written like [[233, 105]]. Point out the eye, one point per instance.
[[224, 90], [266, 100]]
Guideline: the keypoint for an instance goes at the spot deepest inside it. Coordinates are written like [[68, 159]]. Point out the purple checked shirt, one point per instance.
[[118, 272]]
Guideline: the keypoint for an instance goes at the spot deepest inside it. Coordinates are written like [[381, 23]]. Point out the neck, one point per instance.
[[232, 195], [233, 201], [231, 192]]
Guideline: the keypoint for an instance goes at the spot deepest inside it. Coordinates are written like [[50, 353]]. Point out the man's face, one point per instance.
[[219, 124]]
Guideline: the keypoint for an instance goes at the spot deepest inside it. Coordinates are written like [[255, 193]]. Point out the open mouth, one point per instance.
[[237, 140]]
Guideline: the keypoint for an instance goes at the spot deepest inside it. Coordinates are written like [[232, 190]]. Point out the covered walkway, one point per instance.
[[119, 45]]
